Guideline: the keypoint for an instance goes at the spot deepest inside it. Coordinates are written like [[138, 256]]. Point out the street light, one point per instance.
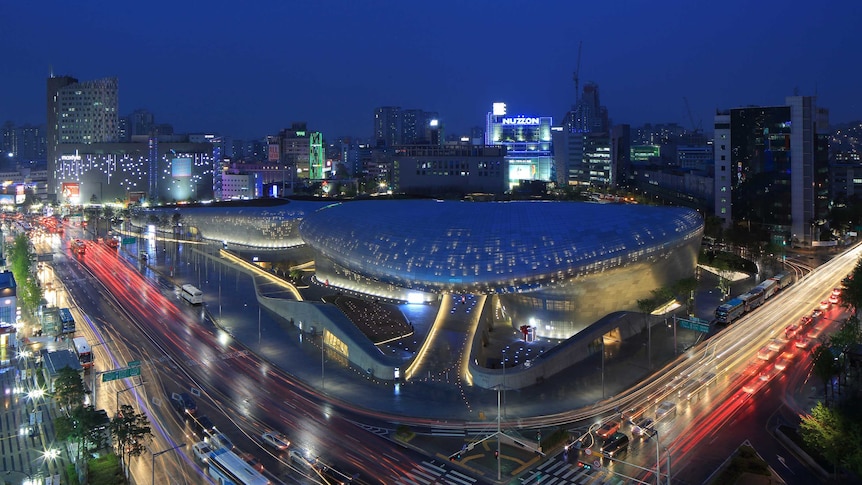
[[153, 481], [127, 389]]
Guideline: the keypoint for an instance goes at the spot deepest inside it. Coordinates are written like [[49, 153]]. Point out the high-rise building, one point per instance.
[[387, 126], [79, 113], [771, 168], [416, 126], [587, 115]]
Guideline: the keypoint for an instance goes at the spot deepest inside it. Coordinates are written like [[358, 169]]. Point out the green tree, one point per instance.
[[823, 430], [825, 368], [683, 291], [20, 259], [851, 293], [132, 433], [69, 389], [83, 426]]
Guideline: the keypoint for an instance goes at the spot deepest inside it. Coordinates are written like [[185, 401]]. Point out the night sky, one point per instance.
[[248, 69]]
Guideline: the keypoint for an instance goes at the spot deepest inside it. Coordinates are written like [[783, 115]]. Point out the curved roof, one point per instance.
[[492, 246]]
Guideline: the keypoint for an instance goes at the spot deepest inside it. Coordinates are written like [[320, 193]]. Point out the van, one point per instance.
[[615, 446]]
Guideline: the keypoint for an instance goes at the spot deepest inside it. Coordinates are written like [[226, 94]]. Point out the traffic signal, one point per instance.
[[585, 465], [496, 454], [455, 456]]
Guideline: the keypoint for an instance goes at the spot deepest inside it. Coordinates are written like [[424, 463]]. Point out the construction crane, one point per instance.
[[694, 126], [577, 72]]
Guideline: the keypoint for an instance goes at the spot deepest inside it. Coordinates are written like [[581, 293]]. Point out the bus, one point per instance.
[[192, 294], [84, 352], [730, 311], [752, 299], [226, 468], [66, 320]]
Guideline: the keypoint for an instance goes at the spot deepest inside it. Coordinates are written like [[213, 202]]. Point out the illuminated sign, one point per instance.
[[521, 120], [71, 192], [181, 167], [499, 109]]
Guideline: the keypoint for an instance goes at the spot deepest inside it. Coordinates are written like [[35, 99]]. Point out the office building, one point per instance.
[[387, 126], [771, 169], [448, 169], [528, 142], [78, 113]]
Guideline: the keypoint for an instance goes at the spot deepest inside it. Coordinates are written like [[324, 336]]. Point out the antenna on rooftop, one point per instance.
[[577, 74]]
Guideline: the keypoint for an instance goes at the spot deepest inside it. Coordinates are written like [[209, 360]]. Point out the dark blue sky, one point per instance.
[[248, 69]]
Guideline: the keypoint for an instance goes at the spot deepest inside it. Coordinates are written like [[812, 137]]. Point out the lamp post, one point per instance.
[[153, 481], [127, 389]]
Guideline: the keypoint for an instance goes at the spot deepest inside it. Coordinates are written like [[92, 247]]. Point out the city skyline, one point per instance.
[[247, 72]]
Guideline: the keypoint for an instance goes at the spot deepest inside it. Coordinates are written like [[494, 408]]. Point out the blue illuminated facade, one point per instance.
[[527, 138]]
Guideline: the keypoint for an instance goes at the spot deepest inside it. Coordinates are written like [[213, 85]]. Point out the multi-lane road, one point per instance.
[[132, 317]]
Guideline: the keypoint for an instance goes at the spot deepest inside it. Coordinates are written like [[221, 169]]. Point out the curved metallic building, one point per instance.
[[558, 265], [260, 223]]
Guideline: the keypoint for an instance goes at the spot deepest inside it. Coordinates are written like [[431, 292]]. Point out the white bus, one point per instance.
[[192, 295], [84, 352], [227, 468]]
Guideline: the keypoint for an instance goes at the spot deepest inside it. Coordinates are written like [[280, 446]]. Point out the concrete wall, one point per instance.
[[318, 317]]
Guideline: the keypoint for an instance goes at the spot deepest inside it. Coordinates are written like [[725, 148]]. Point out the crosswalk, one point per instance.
[[431, 472], [559, 472]]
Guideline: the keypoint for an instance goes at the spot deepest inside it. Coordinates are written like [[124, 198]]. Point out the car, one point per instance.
[[616, 445], [219, 440], [608, 429], [833, 299], [836, 291], [184, 404], [667, 408], [782, 363], [753, 385], [824, 305], [816, 313], [643, 426], [275, 440], [202, 425], [802, 343], [297, 457], [202, 451]]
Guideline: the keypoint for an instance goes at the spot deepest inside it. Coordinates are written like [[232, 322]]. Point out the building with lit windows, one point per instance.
[[108, 172], [529, 147], [771, 168], [78, 113]]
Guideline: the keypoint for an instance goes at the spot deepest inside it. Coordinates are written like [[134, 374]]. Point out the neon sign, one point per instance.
[[521, 120]]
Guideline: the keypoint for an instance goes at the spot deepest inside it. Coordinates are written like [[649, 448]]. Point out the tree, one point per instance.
[[83, 426], [824, 430], [132, 433], [69, 389], [683, 290], [21, 257], [825, 368], [851, 293]]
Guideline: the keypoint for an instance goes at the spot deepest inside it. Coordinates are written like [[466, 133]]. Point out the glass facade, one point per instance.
[[529, 147], [760, 167]]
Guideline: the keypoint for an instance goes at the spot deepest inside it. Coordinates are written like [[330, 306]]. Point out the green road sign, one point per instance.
[[113, 375], [134, 363], [695, 324], [129, 240]]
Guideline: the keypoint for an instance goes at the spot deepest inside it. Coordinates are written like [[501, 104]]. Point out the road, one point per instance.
[[181, 350]]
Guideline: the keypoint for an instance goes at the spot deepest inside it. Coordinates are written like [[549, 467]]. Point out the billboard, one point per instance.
[[7, 199], [181, 167], [71, 192]]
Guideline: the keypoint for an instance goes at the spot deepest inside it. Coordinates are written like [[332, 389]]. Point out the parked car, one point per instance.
[[275, 440], [608, 429]]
